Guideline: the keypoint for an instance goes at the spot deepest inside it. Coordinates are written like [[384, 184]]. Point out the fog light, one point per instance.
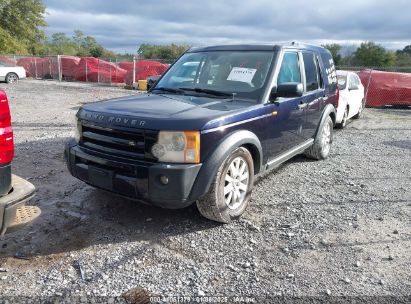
[[164, 179]]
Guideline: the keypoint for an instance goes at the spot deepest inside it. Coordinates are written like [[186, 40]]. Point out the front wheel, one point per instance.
[[11, 77], [231, 188], [322, 143]]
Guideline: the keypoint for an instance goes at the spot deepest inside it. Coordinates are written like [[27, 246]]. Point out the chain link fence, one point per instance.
[[88, 69], [384, 86], [36, 67]]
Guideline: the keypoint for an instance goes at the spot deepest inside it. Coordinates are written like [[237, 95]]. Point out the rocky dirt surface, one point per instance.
[[333, 228]]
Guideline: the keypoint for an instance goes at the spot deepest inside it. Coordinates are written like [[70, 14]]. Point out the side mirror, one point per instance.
[[288, 89], [353, 87]]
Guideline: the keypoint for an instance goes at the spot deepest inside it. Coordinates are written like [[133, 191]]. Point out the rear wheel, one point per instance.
[[359, 114], [344, 119], [231, 188], [322, 143], [11, 77]]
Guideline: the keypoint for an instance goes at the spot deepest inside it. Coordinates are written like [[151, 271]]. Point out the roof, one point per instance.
[[257, 47], [344, 73]]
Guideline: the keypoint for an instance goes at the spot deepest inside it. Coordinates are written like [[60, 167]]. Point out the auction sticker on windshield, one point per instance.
[[241, 74]]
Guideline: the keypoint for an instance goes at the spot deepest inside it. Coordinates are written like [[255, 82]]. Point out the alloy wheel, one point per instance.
[[326, 138], [12, 78], [360, 109], [236, 182], [344, 119]]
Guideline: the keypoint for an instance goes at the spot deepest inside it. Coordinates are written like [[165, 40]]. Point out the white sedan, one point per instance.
[[11, 74], [351, 101]]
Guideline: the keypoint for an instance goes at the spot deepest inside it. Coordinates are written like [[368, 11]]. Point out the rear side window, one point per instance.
[[311, 72], [320, 74], [330, 71], [353, 80], [357, 80], [290, 69], [342, 81]]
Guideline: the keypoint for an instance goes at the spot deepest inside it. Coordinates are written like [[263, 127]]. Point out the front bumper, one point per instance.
[[13, 212], [138, 180]]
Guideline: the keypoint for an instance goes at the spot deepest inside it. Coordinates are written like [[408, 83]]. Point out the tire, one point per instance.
[[12, 77], [225, 208], [344, 120], [359, 114], [322, 143]]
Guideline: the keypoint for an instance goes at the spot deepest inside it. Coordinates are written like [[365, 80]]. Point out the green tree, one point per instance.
[[90, 47], [120, 57], [60, 44], [88, 42], [79, 45], [404, 57], [9, 45], [373, 55], [334, 49], [60, 39], [78, 38], [21, 24], [168, 52], [407, 49], [96, 51]]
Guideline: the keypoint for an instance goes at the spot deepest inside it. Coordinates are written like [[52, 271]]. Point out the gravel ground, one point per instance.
[[329, 229]]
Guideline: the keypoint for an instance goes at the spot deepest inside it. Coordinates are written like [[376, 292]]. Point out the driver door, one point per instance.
[[286, 128]]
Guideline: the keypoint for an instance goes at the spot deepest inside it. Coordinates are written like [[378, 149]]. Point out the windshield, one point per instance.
[[218, 74], [342, 81]]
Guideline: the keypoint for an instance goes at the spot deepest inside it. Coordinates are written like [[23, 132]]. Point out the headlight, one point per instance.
[[77, 129], [177, 147]]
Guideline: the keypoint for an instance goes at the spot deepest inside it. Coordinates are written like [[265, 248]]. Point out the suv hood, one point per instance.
[[161, 112]]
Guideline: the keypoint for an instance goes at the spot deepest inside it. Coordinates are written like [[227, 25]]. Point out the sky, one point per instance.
[[122, 26]]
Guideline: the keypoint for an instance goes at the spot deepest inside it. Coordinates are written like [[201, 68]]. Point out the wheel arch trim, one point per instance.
[[329, 110], [224, 148]]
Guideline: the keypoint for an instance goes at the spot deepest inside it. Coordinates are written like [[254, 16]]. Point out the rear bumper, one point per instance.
[[13, 212], [339, 115], [138, 180], [339, 111]]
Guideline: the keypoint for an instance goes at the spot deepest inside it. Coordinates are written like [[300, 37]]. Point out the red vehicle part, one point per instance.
[[6, 133], [38, 67], [69, 66], [97, 70], [144, 69], [15, 191], [386, 88], [8, 61]]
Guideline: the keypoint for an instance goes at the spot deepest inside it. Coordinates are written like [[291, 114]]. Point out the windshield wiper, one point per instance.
[[170, 90], [208, 91]]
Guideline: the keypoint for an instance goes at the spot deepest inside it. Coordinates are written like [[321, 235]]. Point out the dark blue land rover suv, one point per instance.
[[218, 117]]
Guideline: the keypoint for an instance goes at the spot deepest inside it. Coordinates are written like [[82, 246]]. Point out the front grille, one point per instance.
[[130, 143]]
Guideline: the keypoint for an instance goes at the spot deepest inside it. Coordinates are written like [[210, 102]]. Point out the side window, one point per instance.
[[353, 80], [357, 80], [330, 71], [320, 75], [311, 71], [290, 69]]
